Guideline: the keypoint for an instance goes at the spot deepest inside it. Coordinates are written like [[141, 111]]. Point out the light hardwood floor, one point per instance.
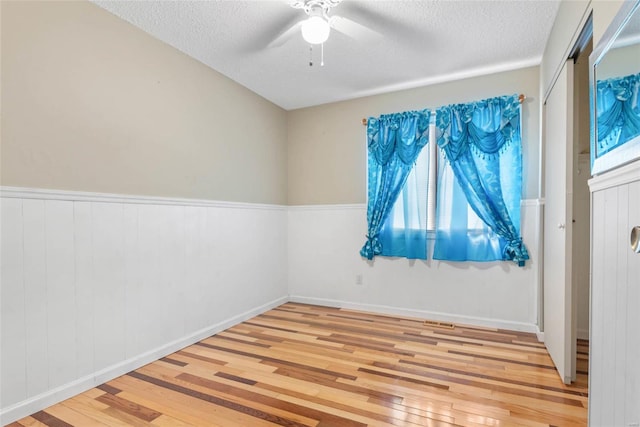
[[303, 365]]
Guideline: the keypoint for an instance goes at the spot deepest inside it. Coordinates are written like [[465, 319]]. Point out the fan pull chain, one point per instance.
[[321, 55]]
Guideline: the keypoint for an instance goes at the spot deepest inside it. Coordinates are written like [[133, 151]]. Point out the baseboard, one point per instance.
[[420, 314], [50, 397], [583, 334]]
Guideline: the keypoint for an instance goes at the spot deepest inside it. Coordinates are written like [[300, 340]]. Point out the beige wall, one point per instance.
[[567, 27], [91, 103], [327, 143], [603, 13], [570, 14]]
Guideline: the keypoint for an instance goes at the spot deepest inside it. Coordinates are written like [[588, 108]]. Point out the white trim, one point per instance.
[[465, 74], [421, 314], [83, 196], [346, 206], [532, 202], [58, 394], [615, 177], [356, 206], [539, 271], [623, 154]]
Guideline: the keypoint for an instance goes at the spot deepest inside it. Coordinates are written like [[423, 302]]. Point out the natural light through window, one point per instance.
[[458, 188]]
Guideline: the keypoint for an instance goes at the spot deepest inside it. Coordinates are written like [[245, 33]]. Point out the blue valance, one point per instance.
[[486, 126], [399, 134], [618, 111]]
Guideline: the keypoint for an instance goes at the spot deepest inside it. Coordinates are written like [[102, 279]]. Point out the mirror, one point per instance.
[[615, 92]]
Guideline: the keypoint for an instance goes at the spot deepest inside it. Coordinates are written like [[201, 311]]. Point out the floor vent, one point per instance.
[[436, 324]]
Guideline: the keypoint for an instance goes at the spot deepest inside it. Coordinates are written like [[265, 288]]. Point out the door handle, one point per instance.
[[635, 239]]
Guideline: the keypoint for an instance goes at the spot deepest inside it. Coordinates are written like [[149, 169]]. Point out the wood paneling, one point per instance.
[[325, 266], [60, 269], [35, 291], [13, 325], [615, 298], [88, 282], [303, 365]]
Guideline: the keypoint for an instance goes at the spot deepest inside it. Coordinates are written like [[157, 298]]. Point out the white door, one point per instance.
[[559, 333]]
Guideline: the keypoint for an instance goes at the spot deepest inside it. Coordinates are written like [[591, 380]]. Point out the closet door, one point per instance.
[[559, 327]]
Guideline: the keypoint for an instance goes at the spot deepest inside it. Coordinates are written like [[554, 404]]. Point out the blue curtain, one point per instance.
[[394, 142], [404, 233], [481, 142], [618, 111]]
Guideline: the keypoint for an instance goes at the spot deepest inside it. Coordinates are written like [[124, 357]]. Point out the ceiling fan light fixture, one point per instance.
[[315, 30]]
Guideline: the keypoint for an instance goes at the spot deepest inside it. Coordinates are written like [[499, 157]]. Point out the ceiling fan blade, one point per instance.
[[286, 35], [354, 30]]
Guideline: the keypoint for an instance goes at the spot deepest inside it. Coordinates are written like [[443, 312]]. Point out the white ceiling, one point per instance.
[[423, 42]]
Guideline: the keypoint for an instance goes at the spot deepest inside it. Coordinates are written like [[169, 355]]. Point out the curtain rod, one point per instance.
[[521, 99]]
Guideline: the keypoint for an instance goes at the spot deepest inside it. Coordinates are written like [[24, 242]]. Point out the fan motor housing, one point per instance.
[[310, 5]]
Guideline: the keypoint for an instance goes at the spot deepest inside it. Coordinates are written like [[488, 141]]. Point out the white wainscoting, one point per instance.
[[325, 266], [614, 360], [96, 285]]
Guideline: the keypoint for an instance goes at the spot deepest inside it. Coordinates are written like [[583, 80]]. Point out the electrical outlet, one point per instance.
[[358, 279]]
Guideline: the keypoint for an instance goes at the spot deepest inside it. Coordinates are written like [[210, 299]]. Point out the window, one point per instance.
[[404, 233], [462, 191]]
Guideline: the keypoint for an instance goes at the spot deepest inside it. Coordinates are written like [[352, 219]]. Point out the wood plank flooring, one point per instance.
[[302, 365]]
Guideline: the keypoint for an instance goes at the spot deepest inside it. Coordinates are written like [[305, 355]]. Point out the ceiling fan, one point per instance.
[[317, 26]]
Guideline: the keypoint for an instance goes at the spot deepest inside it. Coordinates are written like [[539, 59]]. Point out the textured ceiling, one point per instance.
[[423, 42]]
